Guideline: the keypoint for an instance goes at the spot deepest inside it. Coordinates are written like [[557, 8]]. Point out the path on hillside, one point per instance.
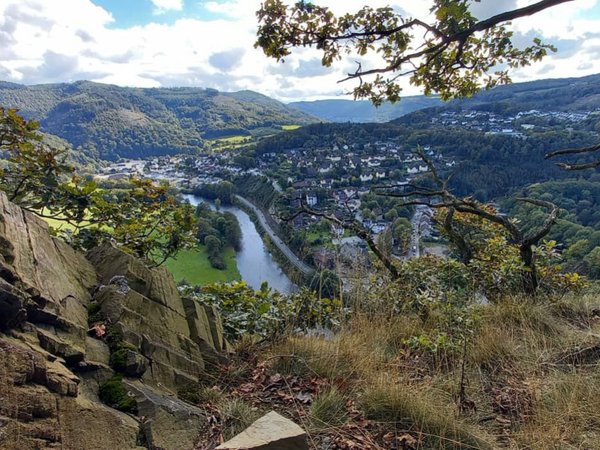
[[287, 252]]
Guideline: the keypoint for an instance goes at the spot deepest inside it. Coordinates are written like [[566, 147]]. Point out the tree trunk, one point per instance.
[[530, 275]]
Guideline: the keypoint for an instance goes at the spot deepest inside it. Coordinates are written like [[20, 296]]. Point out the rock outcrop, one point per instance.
[[53, 365]]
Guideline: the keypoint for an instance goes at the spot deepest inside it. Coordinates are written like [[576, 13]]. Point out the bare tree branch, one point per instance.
[[357, 229]]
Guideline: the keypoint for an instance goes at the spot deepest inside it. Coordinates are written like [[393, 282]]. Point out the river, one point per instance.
[[254, 262]]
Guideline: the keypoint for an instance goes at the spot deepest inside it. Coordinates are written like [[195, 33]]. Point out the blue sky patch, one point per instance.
[[129, 13]]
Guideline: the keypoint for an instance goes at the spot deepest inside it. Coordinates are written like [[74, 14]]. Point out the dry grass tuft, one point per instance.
[[493, 350], [411, 410], [328, 409], [531, 378], [567, 414], [237, 415], [346, 357]]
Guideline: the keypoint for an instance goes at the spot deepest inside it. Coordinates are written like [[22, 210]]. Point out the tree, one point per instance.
[[453, 55], [154, 226], [440, 197], [145, 219], [32, 172]]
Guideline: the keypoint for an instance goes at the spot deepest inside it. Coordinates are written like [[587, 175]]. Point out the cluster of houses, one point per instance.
[[179, 170], [510, 125], [337, 177], [333, 167]]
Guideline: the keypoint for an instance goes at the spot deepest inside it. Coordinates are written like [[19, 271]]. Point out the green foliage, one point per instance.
[[33, 174], [495, 263], [265, 313], [118, 359], [327, 283], [153, 226], [258, 189], [94, 313], [217, 231], [114, 394], [223, 191], [577, 228], [453, 42]]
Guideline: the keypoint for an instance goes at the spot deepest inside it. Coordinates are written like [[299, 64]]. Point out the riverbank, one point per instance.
[[297, 270]]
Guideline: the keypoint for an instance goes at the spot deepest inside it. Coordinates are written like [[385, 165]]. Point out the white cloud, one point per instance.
[[52, 41], [162, 6]]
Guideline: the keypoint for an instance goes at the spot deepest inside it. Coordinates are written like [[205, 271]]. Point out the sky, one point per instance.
[[209, 43]]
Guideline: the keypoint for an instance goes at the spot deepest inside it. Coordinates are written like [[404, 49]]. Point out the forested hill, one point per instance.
[[363, 110], [563, 94], [110, 121]]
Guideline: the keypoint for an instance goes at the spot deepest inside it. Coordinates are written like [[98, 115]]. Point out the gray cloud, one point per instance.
[[198, 76], [4, 73], [85, 36], [227, 60], [593, 50], [121, 58], [546, 68], [585, 66], [305, 69], [26, 12], [57, 68], [565, 47], [57, 65]]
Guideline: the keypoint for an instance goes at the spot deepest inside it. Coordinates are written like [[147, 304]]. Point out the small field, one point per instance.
[[193, 266], [289, 127], [230, 143]]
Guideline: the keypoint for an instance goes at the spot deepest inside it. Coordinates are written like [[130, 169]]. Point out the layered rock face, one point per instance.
[[52, 365]]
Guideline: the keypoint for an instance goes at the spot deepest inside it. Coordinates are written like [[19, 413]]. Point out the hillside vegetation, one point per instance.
[[110, 121]]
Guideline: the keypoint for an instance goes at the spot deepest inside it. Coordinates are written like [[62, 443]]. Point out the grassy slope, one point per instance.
[[532, 375], [193, 265]]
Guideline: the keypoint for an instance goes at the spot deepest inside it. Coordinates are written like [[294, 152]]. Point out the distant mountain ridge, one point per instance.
[[556, 94], [363, 111], [111, 121], [561, 94]]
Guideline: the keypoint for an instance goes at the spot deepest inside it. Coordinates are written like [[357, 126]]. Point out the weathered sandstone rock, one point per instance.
[[270, 432], [52, 364]]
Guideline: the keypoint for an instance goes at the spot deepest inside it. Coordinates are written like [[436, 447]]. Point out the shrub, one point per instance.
[[265, 313], [94, 313], [114, 394]]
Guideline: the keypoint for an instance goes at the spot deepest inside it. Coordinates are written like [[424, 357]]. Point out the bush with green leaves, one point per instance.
[[266, 313]]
